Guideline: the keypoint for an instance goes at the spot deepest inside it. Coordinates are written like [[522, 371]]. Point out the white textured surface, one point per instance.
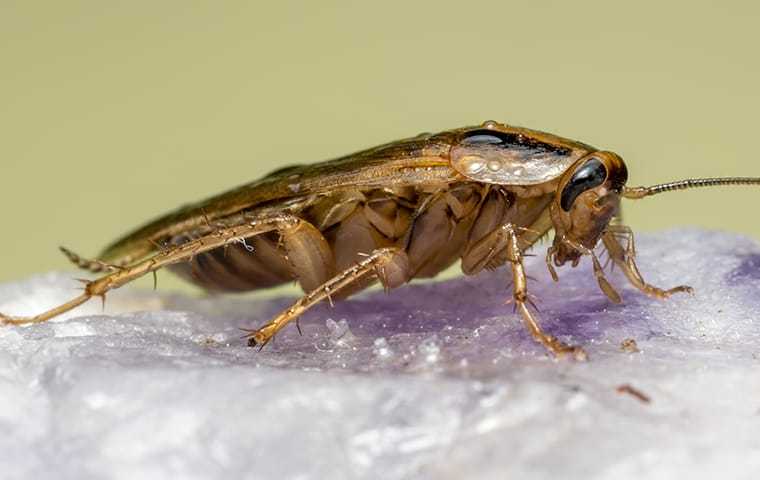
[[436, 380]]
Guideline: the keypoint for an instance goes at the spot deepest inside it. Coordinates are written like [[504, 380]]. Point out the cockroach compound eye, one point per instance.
[[408, 209], [587, 176]]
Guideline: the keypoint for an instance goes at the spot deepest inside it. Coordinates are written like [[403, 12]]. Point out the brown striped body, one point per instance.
[[449, 222]]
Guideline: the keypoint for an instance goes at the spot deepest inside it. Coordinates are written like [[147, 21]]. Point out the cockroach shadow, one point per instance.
[[467, 303]]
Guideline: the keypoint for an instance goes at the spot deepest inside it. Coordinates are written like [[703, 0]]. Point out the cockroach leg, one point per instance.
[[520, 295], [309, 255], [391, 265], [604, 285], [94, 266], [624, 257], [486, 252], [549, 263], [169, 256]]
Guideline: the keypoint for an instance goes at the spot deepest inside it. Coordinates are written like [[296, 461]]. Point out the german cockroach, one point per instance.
[[403, 210]]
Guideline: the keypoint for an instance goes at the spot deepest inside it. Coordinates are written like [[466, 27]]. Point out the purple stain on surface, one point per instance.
[[573, 309], [747, 270]]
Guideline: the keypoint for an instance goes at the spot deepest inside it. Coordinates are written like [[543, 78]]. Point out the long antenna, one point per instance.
[[641, 192]]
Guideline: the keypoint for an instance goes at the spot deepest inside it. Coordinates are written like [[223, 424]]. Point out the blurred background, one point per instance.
[[114, 112]]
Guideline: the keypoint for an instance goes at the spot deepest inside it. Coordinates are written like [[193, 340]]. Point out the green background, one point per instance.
[[114, 112]]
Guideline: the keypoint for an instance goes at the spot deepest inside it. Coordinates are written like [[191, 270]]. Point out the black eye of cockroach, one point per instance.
[[589, 175]]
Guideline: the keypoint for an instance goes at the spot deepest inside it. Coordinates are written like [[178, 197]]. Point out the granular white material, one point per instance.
[[436, 380]]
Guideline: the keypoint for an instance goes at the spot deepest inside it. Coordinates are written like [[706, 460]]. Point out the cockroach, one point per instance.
[[403, 210]]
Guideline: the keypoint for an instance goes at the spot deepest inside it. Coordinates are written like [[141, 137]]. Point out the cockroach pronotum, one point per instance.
[[407, 209]]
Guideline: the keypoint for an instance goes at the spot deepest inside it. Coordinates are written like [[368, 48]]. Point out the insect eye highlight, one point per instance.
[[589, 175], [485, 137]]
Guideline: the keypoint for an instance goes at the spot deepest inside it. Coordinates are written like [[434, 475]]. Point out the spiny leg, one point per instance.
[[490, 251], [624, 257], [91, 265], [391, 265], [184, 252], [520, 295]]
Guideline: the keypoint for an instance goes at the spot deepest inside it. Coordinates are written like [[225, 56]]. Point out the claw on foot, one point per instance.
[[682, 288], [679, 289], [262, 336], [560, 349], [8, 320]]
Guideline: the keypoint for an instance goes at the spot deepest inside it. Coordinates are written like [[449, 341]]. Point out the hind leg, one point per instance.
[[288, 225]]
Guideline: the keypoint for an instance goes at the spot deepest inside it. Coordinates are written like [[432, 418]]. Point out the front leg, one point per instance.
[[624, 257]]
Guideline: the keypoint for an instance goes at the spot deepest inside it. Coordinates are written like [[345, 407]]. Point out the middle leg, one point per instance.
[[390, 265], [504, 241], [520, 295]]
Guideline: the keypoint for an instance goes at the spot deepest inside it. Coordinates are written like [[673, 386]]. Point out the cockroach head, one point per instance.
[[587, 198]]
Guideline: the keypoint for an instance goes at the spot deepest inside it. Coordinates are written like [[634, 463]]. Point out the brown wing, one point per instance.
[[415, 161], [418, 161]]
